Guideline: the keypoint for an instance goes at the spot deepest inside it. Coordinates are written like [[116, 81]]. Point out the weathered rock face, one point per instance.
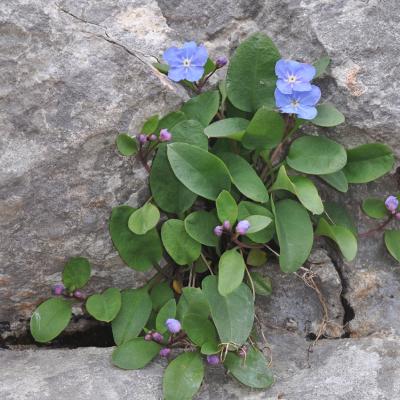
[[75, 73]]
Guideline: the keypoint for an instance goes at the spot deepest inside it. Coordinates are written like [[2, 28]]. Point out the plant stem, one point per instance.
[[377, 229]]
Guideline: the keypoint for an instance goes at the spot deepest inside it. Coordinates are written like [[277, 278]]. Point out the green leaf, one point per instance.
[[295, 234], [163, 68], [139, 252], [76, 273], [133, 315], [245, 178], [233, 315], [256, 258], [183, 377], [192, 301], [392, 241], [209, 67], [247, 208], [160, 294], [209, 348], [301, 187], [231, 269], [368, 162], [258, 223], [328, 116], [50, 319], [251, 80], [200, 226], [178, 244], [222, 90], [202, 107], [168, 310], [321, 65], [252, 371], [337, 180], [232, 128], [126, 145], [374, 208], [227, 208], [262, 284], [316, 155], [199, 329], [190, 132], [135, 354], [144, 219], [150, 125], [200, 171], [105, 306], [168, 192], [343, 237], [170, 120], [265, 130], [338, 215]]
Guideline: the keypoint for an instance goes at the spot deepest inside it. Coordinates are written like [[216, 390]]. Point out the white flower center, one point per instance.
[[291, 78], [187, 62], [294, 103]]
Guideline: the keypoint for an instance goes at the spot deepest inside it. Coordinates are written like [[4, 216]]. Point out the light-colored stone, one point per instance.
[[347, 369]]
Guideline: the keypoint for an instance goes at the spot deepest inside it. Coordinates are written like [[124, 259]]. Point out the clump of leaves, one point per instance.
[[237, 184]]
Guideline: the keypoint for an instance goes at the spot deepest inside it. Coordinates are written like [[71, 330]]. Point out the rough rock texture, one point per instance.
[[349, 369], [74, 73]]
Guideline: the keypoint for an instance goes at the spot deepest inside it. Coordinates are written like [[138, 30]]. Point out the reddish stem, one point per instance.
[[377, 229]]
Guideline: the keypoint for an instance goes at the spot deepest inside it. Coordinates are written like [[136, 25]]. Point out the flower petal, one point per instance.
[[189, 49], [282, 99], [173, 56], [306, 112], [284, 87], [193, 74], [302, 86], [306, 72], [310, 98], [200, 57], [177, 74]]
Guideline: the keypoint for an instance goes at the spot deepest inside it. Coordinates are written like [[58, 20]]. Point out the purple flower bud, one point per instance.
[[142, 138], [242, 227], [397, 216], [165, 135], [218, 230], [391, 204], [58, 289], [221, 61], [79, 295], [165, 352], [157, 337], [242, 351], [213, 359], [227, 225], [153, 137], [173, 325], [148, 337]]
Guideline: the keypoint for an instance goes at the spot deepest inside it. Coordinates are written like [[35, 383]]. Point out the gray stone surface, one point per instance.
[[347, 369]]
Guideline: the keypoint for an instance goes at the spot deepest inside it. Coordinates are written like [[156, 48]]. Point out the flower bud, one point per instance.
[[165, 352], [153, 137], [227, 225], [173, 325], [142, 138], [58, 289], [157, 337], [165, 135], [213, 359], [221, 61], [79, 295], [397, 216], [392, 203], [218, 230], [242, 227], [148, 337]]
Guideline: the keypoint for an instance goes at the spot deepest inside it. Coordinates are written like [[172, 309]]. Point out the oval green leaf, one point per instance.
[[245, 178], [139, 252], [190, 132], [200, 226], [183, 377], [168, 310], [150, 125], [133, 315], [227, 208], [321, 65], [295, 234], [392, 242], [337, 180], [251, 79], [105, 306], [135, 354], [257, 223], [144, 219], [231, 269], [328, 116], [160, 294], [203, 107], [232, 128], [199, 329], [50, 319], [316, 155], [200, 171], [368, 162], [126, 145], [262, 284], [178, 244], [374, 208], [76, 273]]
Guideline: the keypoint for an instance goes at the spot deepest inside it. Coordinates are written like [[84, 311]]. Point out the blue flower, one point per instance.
[[300, 103], [186, 62], [294, 76]]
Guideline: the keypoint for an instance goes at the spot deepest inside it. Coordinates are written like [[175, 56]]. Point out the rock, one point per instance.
[[351, 369]]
